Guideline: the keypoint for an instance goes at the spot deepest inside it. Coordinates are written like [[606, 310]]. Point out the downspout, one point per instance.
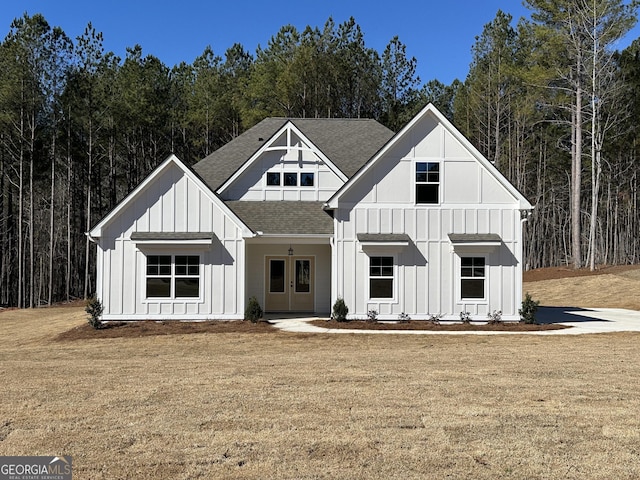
[[524, 216]]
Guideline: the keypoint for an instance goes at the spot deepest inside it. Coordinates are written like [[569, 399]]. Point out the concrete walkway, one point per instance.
[[581, 321]]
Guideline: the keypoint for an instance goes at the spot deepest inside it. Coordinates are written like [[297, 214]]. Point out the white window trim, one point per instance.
[[416, 183], [172, 298], [394, 278], [479, 301]]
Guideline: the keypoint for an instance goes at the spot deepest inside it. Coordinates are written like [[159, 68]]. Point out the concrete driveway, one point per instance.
[[581, 321]]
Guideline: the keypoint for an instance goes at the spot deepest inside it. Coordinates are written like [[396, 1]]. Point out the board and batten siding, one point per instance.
[[251, 184], [171, 203], [426, 278]]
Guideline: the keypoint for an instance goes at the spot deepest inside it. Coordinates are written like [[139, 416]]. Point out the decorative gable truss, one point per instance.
[[288, 166]]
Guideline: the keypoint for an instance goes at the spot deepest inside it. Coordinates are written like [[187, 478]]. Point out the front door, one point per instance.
[[289, 284]]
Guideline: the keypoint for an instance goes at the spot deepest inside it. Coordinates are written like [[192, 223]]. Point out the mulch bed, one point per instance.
[[149, 328], [426, 325]]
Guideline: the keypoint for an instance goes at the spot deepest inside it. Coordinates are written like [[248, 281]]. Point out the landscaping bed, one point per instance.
[[149, 328], [427, 325]]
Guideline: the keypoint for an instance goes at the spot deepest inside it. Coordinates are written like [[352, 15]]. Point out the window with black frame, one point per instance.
[[173, 277], [381, 277], [427, 182], [472, 277]]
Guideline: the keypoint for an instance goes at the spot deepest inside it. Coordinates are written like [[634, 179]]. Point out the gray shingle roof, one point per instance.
[[383, 237], [348, 143], [474, 237], [286, 218], [172, 236]]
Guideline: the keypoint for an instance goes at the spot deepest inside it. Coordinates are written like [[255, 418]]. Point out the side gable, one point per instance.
[[468, 176], [170, 176]]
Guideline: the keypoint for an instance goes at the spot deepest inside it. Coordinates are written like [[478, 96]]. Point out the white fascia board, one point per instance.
[[523, 203], [268, 147], [333, 201], [96, 232], [384, 244], [319, 153], [299, 238]]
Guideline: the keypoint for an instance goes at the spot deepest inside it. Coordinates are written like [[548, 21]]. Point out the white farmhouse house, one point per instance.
[[300, 212]]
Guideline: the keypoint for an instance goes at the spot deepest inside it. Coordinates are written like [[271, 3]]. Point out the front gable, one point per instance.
[[287, 167], [463, 175], [171, 199]]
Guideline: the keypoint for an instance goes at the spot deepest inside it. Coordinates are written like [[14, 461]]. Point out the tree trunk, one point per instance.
[[51, 214], [576, 181]]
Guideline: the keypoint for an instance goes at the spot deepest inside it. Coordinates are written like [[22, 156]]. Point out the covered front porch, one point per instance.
[[289, 276]]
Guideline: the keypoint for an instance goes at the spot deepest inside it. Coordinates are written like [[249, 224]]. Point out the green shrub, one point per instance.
[[253, 312], [94, 308], [340, 310], [529, 309], [465, 317], [372, 315]]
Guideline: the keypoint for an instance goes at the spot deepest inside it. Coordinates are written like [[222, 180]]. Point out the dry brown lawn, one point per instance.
[[252, 405], [612, 287]]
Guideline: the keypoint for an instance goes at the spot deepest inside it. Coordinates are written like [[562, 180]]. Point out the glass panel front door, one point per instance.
[[289, 284]]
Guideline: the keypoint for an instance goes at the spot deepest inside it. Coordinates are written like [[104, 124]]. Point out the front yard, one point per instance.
[[250, 405]]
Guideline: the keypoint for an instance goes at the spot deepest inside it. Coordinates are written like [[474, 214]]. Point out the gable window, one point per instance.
[[427, 182], [381, 277], [306, 179], [290, 179], [273, 179], [472, 277], [173, 276]]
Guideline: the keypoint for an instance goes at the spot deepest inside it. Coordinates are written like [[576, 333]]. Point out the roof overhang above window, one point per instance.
[[176, 239], [475, 242], [383, 242]]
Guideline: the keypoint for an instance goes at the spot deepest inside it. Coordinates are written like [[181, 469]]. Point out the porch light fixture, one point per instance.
[[290, 251]]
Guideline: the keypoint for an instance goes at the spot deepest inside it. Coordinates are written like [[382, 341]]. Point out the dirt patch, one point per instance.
[[150, 328], [429, 326]]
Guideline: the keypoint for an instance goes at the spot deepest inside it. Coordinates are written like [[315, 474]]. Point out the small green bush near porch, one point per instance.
[[340, 310], [253, 312]]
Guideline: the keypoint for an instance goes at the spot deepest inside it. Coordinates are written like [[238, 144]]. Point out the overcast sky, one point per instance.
[[439, 33]]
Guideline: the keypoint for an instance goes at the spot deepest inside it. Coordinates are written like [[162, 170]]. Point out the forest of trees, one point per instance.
[[549, 99]]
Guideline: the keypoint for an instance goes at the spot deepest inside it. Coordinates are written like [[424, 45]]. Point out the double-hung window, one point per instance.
[[173, 276], [427, 182], [381, 277], [472, 277]]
